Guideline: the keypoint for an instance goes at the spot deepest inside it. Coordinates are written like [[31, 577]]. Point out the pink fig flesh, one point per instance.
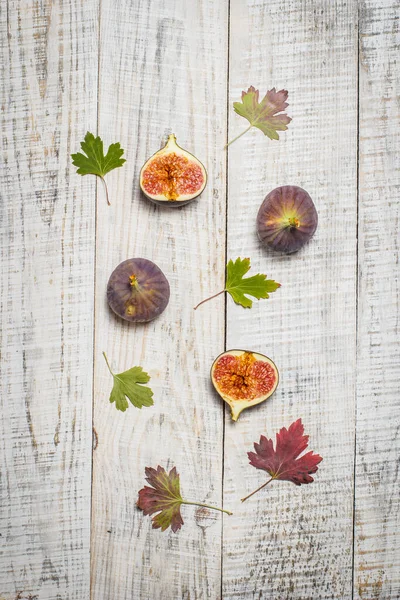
[[244, 379], [172, 176], [138, 290], [287, 219]]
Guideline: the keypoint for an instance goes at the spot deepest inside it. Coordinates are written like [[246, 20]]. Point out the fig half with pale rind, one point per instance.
[[244, 379], [172, 176], [287, 219], [138, 290]]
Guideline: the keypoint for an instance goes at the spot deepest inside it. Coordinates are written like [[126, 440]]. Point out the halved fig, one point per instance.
[[287, 219], [244, 379], [138, 290], [172, 175]]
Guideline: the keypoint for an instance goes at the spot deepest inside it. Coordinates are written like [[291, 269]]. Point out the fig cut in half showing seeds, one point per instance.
[[244, 379], [138, 290], [287, 219], [172, 176]]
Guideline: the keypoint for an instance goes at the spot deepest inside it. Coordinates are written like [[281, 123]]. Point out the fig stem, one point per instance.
[[108, 364], [257, 490], [293, 223], [106, 188], [207, 299], [207, 506], [238, 136]]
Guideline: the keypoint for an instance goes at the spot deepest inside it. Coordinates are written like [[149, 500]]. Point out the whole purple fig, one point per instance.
[[287, 219], [138, 290]]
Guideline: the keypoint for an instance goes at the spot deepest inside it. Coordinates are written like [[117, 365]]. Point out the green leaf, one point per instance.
[[95, 163], [128, 385], [257, 286], [263, 115]]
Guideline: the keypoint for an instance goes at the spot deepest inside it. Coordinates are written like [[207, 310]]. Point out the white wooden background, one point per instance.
[[71, 465]]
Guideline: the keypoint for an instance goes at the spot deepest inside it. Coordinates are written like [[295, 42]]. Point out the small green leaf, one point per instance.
[[239, 287], [129, 385], [95, 163]]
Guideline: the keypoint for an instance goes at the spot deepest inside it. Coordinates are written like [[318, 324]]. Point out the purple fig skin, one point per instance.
[[138, 290], [287, 219]]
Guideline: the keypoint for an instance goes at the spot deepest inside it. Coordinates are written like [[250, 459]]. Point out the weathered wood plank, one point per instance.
[[290, 542], [377, 523], [48, 100], [163, 69]]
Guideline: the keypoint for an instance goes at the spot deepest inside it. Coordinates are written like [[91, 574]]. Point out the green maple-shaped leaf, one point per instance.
[[129, 385], [239, 287], [95, 162], [164, 497], [263, 115]]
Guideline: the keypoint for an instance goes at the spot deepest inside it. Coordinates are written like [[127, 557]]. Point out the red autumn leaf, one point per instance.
[[284, 462], [164, 497]]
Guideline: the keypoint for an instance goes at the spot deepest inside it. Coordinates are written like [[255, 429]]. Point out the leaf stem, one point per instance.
[[207, 299], [257, 490], [207, 506], [106, 188], [238, 136], [108, 364]]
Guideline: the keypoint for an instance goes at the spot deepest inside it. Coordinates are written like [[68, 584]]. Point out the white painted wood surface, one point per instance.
[[377, 498], [136, 71], [166, 73], [290, 542], [48, 98]]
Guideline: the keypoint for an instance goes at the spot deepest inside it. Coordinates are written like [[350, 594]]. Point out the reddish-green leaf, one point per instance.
[[164, 497], [284, 462], [267, 115]]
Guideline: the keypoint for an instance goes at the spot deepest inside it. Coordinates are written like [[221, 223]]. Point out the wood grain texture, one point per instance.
[[48, 100], [377, 523], [286, 541], [163, 69]]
